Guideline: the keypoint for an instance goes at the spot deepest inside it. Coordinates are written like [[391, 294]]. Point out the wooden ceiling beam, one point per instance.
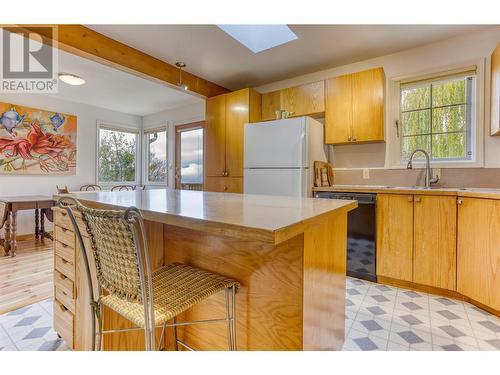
[[82, 41]]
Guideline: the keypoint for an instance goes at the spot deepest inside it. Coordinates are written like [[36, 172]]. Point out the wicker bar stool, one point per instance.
[[148, 299]]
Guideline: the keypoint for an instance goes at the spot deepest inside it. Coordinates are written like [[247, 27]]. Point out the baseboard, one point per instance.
[[435, 290], [26, 237]]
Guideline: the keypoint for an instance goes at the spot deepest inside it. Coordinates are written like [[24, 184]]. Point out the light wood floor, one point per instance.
[[27, 278]]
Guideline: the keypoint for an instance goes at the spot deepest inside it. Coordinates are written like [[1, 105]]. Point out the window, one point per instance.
[[117, 155], [438, 116], [156, 156], [189, 156]]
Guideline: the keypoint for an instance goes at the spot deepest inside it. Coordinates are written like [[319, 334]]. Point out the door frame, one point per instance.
[[178, 130]]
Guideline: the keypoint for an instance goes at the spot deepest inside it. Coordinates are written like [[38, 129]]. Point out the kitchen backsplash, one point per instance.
[[451, 177]]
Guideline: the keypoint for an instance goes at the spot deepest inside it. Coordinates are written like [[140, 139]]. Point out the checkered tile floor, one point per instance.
[[380, 317], [30, 328]]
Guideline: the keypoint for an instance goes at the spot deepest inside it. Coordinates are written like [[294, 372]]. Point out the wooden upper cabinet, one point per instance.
[[495, 91], [338, 115], [395, 236], [215, 136], [270, 104], [368, 106], [478, 250], [226, 116], [303, 100], [355, 108], [434, 235]]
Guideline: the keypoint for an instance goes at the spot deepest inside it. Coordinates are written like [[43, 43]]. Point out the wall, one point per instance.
[[171, 118], [455, 51], [86, 149]]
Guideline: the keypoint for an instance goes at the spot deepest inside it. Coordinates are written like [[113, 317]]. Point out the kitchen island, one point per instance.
[[289, 254]]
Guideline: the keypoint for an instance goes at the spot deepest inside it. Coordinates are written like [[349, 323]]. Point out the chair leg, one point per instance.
[[161, 344], [174, 330], [233, 317], [98, 312], [228, 320]]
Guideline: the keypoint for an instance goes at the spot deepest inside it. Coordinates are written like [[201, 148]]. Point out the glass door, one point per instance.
[[189, 156]]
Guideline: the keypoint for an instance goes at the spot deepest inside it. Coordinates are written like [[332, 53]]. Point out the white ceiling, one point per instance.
[[116, 90], [212, 54]]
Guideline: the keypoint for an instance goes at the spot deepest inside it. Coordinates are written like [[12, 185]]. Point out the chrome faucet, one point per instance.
[[428, 180]]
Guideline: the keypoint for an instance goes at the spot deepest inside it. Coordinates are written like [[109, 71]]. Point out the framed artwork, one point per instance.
[[36, 142]]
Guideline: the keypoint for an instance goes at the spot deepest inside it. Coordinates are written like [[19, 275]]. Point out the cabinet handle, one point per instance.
[[354, 139], [223, 173], [410, 199], [459, 201], [349, 138], [225, 188], [418, 199]]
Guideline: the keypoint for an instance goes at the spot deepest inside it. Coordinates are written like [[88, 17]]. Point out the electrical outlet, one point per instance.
[[366, 174]]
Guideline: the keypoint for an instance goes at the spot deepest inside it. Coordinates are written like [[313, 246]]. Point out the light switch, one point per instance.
[[366, 174]]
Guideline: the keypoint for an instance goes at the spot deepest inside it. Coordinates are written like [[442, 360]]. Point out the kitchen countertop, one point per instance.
[[459, 192], [268, 218]]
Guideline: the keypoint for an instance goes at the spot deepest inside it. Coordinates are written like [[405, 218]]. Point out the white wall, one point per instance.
[[170, 118], [455, 51], [86, 150]]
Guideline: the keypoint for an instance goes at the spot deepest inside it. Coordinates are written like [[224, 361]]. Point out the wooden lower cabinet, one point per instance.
[[478, 250], [224, 184], [395, 236], [434, 232]]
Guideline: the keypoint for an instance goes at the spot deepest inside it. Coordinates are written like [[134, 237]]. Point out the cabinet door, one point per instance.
[[368, 105], [395, 236], [270, 104], [434, 234], [237, 114], [308, 99], [224, 184], [215, 136], [478, 250], [338, 116]]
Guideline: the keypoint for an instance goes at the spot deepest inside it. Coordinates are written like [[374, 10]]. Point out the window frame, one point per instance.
[[145, 165], [393, 131], [106, 125]]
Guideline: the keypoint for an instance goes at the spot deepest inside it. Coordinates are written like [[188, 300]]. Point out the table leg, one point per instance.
[[44, 234], [13, 234], [42, 224], [37, 223], [6, 246]]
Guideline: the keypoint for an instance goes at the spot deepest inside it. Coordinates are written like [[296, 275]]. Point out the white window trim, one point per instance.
[[138, 152], [145, 166], [393, 145]]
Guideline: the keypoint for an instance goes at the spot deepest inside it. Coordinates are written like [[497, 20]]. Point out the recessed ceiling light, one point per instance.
[[71, 79], [258, 38]]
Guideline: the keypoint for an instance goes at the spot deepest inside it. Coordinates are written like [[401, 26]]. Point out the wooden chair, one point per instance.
[[90, 188], [124, 188], [4, 214], [150, 299]]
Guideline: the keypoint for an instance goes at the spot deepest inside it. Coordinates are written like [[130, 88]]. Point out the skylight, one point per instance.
[[258, 38]]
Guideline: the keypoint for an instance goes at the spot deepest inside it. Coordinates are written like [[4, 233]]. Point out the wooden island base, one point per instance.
[[291, 295]]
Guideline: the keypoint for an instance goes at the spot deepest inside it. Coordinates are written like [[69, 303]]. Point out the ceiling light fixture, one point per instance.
[[71, 79], [181, 65]]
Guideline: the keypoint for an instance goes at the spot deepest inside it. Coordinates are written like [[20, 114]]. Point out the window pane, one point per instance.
[[449, 146], [409, 144], [117, 150], [415, 98], [451, 92], [416, 122], [449, 119], [157, 157], [192, 156]]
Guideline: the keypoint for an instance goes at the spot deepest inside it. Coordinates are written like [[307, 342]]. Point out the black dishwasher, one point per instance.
[[361, 232]]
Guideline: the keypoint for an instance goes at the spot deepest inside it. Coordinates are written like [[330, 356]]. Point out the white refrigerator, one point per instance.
[[279, 156]]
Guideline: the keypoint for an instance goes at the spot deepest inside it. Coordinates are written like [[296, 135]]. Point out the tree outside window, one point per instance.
[[117, 155], [437, 117]]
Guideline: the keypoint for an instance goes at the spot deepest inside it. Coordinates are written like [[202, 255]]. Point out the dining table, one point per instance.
[[41, 205]]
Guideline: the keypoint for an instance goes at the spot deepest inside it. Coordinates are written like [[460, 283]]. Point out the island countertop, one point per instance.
[[268, 218]]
